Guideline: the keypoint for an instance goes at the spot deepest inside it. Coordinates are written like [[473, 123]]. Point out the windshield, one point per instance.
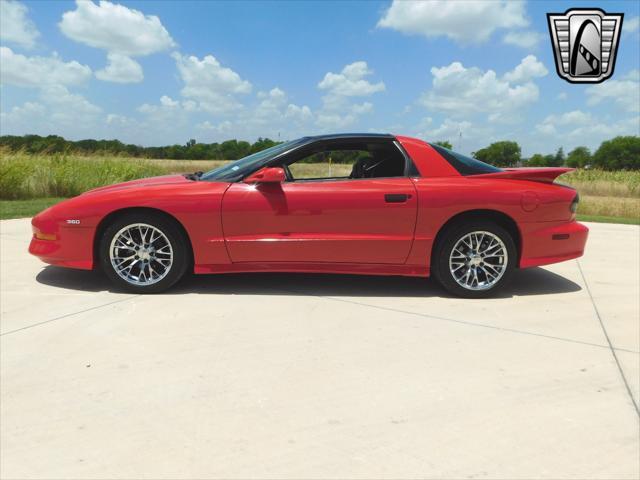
[[240, 168]]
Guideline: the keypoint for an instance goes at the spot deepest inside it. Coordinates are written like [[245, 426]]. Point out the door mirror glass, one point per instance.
[[267, 175]]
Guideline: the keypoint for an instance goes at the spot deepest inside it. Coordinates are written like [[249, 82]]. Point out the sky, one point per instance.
[[163, 72]]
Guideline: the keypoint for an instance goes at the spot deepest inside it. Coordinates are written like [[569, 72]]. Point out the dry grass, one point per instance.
[[623, 207], [607, 194], [607, 184]]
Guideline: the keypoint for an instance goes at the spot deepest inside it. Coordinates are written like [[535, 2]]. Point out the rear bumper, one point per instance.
[[550, 242]]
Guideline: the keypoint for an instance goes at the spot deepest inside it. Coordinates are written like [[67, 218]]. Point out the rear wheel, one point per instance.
[[143, 253], [474, 259]]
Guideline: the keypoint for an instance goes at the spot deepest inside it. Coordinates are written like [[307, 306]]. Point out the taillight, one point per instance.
[[574, 203]]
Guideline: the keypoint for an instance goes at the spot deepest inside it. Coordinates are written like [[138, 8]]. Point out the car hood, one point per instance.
[[143, 182]]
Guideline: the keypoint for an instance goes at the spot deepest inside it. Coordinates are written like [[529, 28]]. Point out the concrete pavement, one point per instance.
[[318, 376]]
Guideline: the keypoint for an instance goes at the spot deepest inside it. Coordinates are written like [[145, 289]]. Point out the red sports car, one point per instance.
[[407, 207]]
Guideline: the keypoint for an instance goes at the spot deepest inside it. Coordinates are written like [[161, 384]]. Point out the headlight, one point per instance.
[[43, 236]]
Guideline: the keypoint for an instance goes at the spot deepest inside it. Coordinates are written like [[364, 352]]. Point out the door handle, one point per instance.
[[396, 197]]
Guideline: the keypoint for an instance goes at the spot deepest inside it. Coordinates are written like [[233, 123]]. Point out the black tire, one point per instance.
[[173, 233], [440, 259]]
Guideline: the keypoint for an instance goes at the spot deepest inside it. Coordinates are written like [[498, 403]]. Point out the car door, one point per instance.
[[364, 220], [352, 221]]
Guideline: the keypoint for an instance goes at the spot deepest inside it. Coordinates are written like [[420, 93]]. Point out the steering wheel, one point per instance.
[[369, 168]]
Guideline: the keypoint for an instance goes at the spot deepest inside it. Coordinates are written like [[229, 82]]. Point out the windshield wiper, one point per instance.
[[195, 176]]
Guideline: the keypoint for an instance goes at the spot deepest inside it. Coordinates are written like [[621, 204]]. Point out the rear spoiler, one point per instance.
[[539, 174]]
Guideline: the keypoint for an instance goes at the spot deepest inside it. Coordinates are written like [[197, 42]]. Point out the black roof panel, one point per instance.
[[331, 136]]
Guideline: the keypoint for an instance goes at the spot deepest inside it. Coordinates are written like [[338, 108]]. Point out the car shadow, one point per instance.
[[534, 281]]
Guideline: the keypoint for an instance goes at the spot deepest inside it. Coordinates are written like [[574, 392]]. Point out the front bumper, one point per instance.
[[72, 246], [544, 243]]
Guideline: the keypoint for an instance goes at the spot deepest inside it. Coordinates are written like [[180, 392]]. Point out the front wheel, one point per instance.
[[475, 259], [143, 253]]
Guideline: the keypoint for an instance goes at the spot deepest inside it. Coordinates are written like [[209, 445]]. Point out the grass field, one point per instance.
[[25, 208], [30, 183]]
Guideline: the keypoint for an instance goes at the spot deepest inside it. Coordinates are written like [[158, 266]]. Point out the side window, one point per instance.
[[326, 164], [354, 161]]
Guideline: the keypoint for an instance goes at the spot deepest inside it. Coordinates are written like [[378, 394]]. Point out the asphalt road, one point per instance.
[[319, 376]]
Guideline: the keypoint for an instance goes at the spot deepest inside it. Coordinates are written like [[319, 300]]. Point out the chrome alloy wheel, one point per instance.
[[141, 254], [478, 260]]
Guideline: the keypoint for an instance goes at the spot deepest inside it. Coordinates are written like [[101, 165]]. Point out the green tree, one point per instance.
[[500, 154], [261, 144], [539, 160], [579, 157], [558, 158], [619, 153], [444, 144]]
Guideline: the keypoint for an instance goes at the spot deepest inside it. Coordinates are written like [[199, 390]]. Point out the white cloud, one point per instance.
[[631, 25], [271, 103], [462, 21], [350, 82], [274, 108], [562, 96], [625, 93], [330, 119], [448, 130], [168, 119], [115, 28], [166, 104], [362, 108], [69, 106], [575, 118], [25, 71], [114, 119], [523, 38], [24, 114], [338, 111], [223, 128], [335, 121], [15, 26], [57, 112], [460, 91], [212, 86], [465, 136], [167, 101], [583, 128], [272, 115], [528, 69], [596, 132], [123, 32], [297, 113], [121, 69]]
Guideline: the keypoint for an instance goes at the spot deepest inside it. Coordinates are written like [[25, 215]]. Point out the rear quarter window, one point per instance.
[[463, 164]]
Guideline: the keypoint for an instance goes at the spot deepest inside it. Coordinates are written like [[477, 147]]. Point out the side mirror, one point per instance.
[[267, 175]]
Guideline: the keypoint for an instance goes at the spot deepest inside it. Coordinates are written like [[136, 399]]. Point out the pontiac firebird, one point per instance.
[[407, 207]]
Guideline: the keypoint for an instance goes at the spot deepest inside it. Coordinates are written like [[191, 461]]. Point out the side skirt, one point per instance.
[[345, 268]]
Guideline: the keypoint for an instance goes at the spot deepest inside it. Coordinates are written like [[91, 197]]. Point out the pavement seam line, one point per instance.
[[606, 335], [68, 315], [480, 325]]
